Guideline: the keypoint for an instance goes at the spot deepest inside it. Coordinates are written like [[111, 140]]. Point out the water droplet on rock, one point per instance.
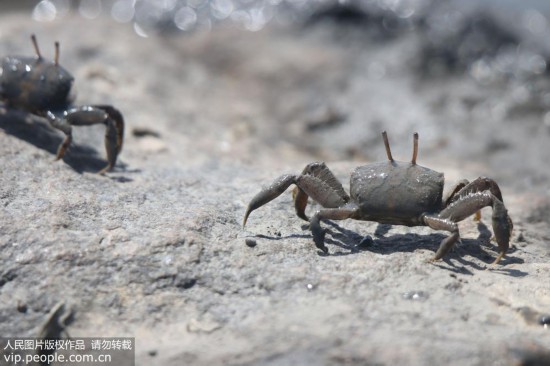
[[416, 295]]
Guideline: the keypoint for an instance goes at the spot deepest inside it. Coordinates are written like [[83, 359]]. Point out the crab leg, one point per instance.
[[347, 212], [114, 134], [322, 190], [438, 223], [478, 185], [64, 127], [465, 206], [464, 188], [450, 195]]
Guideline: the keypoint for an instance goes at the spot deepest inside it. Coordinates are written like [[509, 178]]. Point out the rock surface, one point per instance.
[[156, 249]]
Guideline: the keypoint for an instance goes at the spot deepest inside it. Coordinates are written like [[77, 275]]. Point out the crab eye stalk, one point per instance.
[[35, 44], [56, 58], [415, 148], [387, 144]]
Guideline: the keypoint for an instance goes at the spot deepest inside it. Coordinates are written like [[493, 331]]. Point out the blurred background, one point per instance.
[[325, 77], [149, 16]]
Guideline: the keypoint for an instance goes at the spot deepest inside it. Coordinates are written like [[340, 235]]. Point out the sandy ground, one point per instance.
[[156, 250]]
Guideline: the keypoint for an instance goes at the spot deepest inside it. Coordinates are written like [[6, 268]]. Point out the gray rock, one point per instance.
[[155, 249]]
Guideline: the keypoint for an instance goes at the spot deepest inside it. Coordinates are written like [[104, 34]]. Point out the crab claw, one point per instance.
[[270, 193]]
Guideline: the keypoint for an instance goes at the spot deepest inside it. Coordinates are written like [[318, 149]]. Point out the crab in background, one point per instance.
[[44, 88]]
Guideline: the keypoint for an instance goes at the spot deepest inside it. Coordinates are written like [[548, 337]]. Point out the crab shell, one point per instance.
[[35, 84], [395, 192]]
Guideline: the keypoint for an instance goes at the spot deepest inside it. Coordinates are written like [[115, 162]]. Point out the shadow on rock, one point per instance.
[[355, 243], [350, 240]]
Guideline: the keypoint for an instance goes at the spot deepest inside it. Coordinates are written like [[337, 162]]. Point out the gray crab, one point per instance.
[[392, 192], [44, 88]]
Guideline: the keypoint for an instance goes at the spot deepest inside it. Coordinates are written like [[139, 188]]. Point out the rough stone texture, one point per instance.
[[156, 249]]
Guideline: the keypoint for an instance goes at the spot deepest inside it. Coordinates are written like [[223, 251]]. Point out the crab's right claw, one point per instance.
[[270, 193], [248, 211]]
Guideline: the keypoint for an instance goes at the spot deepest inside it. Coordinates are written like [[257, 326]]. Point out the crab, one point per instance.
[[44, 88], [392, 192]]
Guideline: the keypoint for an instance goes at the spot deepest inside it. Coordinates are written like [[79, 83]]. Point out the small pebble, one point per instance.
[[544, 320], [250, 242], [22, 307]]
